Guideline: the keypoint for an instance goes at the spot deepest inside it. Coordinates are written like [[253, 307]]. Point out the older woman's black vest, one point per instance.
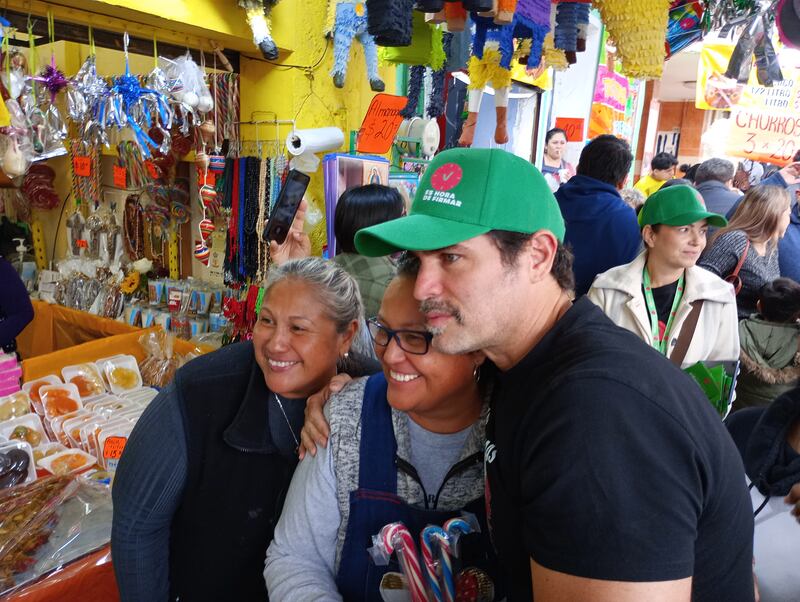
[[236, 480]]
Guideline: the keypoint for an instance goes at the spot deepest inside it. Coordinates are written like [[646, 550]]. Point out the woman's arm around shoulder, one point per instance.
[[300, 560]]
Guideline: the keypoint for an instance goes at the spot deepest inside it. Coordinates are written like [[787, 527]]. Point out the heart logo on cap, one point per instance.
[[447, 177]]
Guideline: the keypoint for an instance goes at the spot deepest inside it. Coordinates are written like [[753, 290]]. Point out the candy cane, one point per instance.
[[426, 539], [396, 537], [457, 526]]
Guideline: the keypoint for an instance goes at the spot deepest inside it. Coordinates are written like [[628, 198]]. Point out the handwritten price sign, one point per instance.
[[769, 137], [573, 126], [120, 177], [381, 123], [112, 449], [82, 166]]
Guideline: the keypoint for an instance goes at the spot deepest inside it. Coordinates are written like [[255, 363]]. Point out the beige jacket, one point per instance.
[[618, 292]]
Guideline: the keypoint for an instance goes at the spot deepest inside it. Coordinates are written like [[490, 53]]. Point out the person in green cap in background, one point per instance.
[[609, 475], [654, 295]]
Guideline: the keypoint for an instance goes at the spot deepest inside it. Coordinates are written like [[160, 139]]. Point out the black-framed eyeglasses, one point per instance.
[[416, 342]]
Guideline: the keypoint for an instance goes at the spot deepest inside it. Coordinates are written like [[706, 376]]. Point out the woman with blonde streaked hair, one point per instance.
[[745, 252]]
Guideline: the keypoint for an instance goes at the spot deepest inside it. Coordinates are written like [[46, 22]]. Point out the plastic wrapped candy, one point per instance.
[[17, 153], [48, 525], [396, 538], [85, 97]]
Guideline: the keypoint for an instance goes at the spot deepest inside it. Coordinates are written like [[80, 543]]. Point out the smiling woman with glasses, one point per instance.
[[416, 342], [405, 445]]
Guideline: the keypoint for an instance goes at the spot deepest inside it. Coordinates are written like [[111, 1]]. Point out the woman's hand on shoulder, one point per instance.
[[315, 428]]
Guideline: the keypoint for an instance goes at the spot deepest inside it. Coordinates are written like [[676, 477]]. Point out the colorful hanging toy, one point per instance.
[[132, 105], [347, 20]]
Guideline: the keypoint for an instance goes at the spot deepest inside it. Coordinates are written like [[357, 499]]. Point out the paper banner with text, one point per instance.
[[714, 91], [609, 107], [764, 136]]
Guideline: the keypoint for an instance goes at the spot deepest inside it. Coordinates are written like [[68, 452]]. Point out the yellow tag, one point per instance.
[[360, 9]]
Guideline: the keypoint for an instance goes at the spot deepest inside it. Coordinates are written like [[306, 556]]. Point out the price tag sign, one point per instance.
[[82, 244], [769, 137], [120, 177], [381, 123], [82, 166], [152, 170], [573, 126], [112, 448]]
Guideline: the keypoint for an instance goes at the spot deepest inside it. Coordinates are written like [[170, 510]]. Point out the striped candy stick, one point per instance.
[[397, 538], [430, 535]]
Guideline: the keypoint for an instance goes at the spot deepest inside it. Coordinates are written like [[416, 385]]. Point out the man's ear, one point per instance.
[[542, 248]]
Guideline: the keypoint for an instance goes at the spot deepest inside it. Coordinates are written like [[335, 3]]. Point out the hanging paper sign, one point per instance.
[[715, 91], [120, 177], [609, 114], [82, 166], [381, 123], [152, 169], [573, 126], [761, 136]]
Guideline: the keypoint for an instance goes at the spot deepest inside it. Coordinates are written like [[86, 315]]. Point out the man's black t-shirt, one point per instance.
[[605, 461]]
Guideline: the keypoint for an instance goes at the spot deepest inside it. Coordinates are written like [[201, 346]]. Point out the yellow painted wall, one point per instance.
[[304, 94]]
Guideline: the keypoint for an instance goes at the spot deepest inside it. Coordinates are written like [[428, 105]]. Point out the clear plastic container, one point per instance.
[[33, 387], [16, 464], [122, 374], [86, 377], [46, 450], [60, 399], [68, 462], [27, 428], [14, 405]]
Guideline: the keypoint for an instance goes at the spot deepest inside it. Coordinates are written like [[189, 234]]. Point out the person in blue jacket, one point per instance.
[[601, 228]]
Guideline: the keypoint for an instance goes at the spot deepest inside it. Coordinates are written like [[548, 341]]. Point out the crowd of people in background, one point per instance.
[[519, 352]]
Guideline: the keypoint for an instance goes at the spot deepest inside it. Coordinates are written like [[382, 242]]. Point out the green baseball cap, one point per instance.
[[677, 206], [464, 193]]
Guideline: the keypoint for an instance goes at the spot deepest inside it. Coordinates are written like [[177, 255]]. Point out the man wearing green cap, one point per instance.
[[609, 475], [684, 311]]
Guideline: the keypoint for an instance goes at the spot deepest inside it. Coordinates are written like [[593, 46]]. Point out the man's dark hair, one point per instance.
[[408, 265], [691, 173], [780, 300], [510, 245], [362, 207], [663, 161], [676, 182], [606, 158]]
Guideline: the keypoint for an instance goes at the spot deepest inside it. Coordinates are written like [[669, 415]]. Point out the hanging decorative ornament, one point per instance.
[[48, 128], [201, 253], [207, 130], [216, 163], [639, 31], [180, 213], [206, 228], [137, 107], [201, 160]]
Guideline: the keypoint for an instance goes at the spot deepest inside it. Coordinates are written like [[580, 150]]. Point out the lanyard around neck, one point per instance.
[[652, 313]]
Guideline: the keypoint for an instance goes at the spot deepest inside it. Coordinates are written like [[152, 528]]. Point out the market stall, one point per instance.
[[55, 327]]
